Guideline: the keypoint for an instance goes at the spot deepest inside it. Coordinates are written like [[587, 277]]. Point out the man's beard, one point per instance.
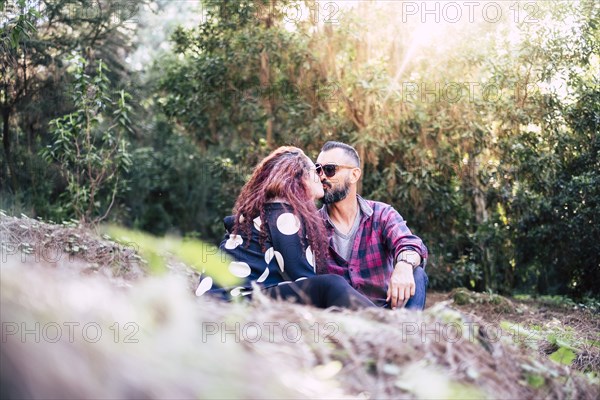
[[334, 195]]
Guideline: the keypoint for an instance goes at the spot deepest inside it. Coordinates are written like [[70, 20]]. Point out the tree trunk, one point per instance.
[[361, 154], [266, 92], [7, 150], [481, 218]]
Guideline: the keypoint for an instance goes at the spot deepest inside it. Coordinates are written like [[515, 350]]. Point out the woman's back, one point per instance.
[[280, 254]]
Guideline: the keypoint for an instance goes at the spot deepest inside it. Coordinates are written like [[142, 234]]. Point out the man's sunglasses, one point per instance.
[[329, 169]]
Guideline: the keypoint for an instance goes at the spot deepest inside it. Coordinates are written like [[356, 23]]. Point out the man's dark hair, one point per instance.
[[349, 150]]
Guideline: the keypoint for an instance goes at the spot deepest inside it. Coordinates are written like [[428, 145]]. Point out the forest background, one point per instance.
[[478, 121]]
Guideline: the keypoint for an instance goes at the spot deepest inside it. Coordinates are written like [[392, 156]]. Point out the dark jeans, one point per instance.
[[417, 302], [321, 291]]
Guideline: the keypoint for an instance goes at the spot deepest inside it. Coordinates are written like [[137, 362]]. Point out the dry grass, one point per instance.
[[68, 246], [159, 341], [547, 325]]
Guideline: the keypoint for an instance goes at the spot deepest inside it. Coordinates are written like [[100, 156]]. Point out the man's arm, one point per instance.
[[398, 236], [409, 252]]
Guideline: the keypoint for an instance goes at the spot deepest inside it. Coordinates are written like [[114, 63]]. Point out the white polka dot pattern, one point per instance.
[[310, 257], [204, 286], [269, 254], [279, 259], [233, 242], [257, 223], [239, 269], [288, 224], [264, 276]]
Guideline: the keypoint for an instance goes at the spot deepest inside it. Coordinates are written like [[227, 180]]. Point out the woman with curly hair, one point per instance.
[[277, 239]]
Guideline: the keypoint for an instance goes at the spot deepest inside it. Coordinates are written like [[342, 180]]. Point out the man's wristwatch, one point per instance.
[[411, 257]]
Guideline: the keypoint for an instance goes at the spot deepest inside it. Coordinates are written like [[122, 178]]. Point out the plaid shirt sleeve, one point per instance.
[[397, 235]]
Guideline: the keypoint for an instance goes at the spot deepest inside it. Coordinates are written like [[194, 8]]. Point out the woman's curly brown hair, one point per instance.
[[282, 175]]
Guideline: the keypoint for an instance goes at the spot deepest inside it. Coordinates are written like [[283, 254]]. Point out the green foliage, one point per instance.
[[471, 175], [502, 186], [36, 39], [562, 343], [236, 86], [563, 211], [563, 356], [174, 185], [461, 297], [522, 334], [21, 26], [90, 145], [535, 381], [462, 272], [239, 78], [194, 253]]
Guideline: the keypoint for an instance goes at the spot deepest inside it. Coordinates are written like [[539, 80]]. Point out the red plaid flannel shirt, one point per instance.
[[381, 236]]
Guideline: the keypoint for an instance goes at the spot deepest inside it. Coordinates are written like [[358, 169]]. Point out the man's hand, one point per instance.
[[402, 284]]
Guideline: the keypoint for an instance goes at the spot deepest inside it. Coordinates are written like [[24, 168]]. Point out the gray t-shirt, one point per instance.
[[342, 243]]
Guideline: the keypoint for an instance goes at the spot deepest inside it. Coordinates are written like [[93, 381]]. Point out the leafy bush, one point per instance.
[[90, 146]]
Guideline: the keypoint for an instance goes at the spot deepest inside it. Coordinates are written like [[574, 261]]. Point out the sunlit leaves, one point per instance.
[[194, 253]]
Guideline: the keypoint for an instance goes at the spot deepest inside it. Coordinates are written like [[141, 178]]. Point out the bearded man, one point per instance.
[[370, 244]]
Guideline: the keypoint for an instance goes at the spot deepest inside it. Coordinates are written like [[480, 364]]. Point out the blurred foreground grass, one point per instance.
[[193, 252], [72, 331]]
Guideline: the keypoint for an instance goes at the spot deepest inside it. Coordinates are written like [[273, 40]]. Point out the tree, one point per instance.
[[35, 39], [90, 145], [243, 78]]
